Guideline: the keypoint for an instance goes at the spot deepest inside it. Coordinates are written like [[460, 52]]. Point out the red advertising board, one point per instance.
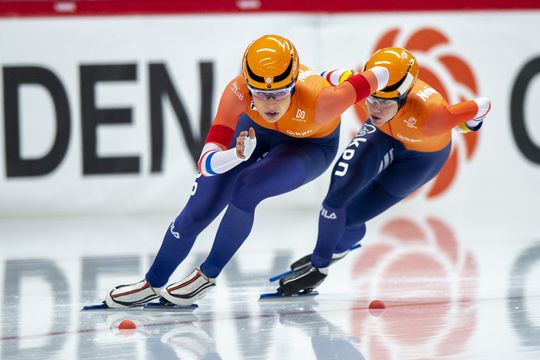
[[17, 8]]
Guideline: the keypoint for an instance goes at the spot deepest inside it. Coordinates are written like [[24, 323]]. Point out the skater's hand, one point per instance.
[[484, 106], [245, 144]]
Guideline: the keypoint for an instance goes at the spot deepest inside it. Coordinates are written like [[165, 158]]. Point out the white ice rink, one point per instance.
[[453, 289], [458, 265]]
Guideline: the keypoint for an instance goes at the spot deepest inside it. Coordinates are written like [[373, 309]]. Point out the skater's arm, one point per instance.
[[484, 106], [334, 100], [231, 105], [218, 162], [215, 159], [466, 116]]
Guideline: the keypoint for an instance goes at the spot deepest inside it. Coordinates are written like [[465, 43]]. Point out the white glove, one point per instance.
[[337, 76], [214, 161], [484, 106], [382, 75], [245, 144]]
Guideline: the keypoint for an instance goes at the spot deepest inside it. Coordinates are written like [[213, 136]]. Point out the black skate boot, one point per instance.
[[306, 261], [303, 280]]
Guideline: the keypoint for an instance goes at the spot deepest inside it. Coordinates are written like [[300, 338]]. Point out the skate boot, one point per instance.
[[194, 287], [306, 261], [125, 296], [303, 280]]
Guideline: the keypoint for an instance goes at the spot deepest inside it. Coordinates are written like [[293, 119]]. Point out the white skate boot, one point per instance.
[[125, 296], [194, 287]]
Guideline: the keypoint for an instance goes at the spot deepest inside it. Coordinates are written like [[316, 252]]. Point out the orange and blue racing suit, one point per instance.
[[384, 164], [289, 153]]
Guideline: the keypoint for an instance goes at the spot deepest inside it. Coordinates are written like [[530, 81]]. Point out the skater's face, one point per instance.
[[272, 109], [381, 110]]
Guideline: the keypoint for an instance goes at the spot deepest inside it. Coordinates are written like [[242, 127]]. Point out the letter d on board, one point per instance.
[[14, 78]]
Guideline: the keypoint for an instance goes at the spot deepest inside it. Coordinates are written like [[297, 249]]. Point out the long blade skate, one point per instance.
[[280, 294], [279, 276], [163, 304], [102, 306]]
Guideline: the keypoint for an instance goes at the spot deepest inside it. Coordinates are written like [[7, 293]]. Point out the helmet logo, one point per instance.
[[269, 55]]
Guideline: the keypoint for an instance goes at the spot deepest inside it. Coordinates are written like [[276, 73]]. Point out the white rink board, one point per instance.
[[493, 44]]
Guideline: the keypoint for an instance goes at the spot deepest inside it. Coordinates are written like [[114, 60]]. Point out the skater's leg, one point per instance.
[[409, 172], [209, 197], [355, 169], [285, 168]]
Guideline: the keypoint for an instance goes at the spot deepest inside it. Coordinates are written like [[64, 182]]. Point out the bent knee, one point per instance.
[[247, 193], [190, 223]]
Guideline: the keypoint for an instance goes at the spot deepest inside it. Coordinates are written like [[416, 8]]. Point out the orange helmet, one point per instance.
[[403, 69], [270, 62]]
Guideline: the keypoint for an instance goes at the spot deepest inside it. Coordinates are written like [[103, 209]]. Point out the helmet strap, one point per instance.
[[401, 100], [402, 89], [293, 90]]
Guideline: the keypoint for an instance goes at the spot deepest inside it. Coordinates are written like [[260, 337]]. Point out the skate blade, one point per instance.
[[104, 306], [168, 306], [101, 306], [281, 295]]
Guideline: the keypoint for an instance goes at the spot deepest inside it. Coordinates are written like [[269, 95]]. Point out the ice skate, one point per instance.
[[298, 283], [184, 293], [164, 304], [305, 261], [126, 296], [303, 280]]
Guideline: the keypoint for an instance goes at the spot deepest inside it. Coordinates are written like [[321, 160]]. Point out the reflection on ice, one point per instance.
[[446, 295]]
